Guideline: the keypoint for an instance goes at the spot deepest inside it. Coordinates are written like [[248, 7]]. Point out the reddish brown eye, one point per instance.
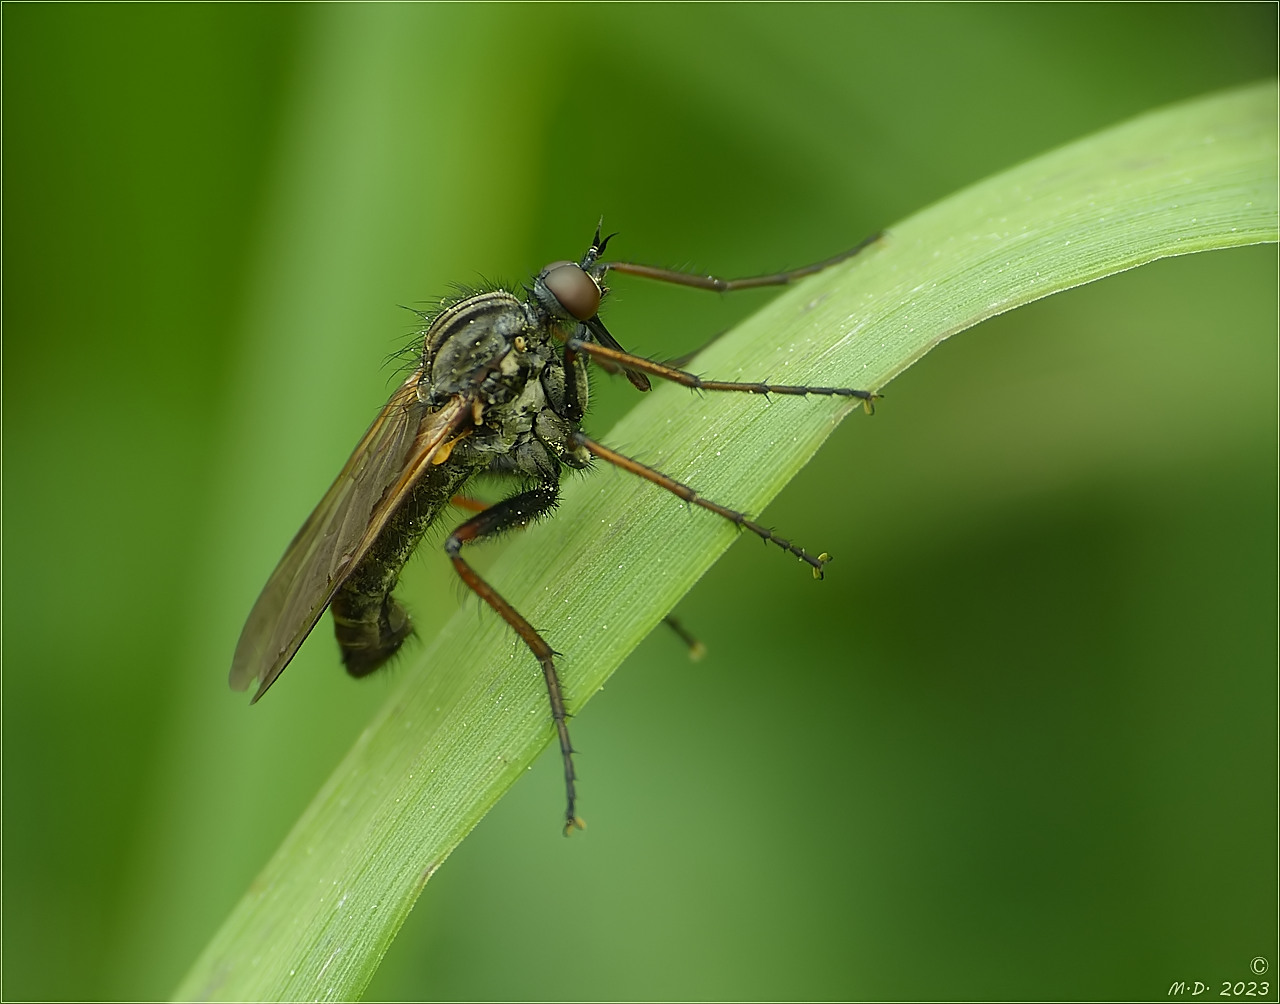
[[575, 291]]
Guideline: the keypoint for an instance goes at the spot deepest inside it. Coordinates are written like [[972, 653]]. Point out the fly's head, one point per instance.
[[570, 292]]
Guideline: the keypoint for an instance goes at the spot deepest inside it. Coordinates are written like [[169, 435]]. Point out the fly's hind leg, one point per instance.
[[510, 514]]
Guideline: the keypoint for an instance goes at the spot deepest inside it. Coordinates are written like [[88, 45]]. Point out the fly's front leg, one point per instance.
[[713, 282], [510, 514], [695, 382]]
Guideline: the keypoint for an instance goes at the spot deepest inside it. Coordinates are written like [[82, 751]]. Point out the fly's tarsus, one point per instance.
[[696, 649], [501, 388]]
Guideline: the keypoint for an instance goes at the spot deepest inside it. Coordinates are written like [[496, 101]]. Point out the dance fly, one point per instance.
[[500, 387]]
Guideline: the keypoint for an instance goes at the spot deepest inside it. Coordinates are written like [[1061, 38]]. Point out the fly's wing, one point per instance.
[[400, 444]]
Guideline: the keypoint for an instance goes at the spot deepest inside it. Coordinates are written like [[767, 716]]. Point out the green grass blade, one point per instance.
[[471, 714]]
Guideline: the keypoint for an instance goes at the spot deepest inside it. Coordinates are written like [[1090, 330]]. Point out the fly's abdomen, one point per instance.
[[370, 629], [369, 623]]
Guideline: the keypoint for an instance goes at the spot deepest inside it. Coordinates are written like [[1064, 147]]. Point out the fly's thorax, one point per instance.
[[466, 349], [555, 380], [554, 433], [526, 435], [505, 421], [507, 357]]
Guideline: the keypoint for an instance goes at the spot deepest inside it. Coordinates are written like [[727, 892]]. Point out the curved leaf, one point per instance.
[[315, 924]]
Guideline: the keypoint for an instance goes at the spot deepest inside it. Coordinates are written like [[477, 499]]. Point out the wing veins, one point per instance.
[[398, 446]]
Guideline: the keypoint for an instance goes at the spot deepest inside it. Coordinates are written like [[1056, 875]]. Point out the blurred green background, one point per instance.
[[1042, 761]]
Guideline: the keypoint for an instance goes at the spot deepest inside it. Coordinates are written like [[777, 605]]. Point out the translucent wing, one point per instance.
[[397, 448]]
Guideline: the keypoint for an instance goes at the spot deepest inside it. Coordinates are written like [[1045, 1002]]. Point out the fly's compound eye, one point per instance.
[[575, 291]]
